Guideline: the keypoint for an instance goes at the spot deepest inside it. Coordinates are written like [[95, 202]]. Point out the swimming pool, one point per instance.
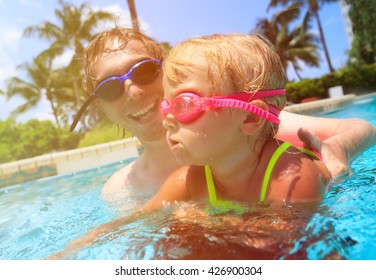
[[41, 217]]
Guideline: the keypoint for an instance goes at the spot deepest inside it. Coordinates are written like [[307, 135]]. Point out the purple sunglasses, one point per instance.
[[112, 88]]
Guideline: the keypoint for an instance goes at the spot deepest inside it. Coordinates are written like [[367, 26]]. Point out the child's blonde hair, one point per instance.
[[248, 61], [103, 44]]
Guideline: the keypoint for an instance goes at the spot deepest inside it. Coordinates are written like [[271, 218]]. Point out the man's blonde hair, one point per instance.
[[247, 61], [102, 43]]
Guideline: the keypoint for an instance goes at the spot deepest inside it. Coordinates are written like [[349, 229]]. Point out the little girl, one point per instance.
[[223, 95]]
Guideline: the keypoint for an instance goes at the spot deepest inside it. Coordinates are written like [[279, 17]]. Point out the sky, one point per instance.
[[165, 20]]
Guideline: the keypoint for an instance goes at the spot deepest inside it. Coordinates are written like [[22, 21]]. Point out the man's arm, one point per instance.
[[174, 189], [92, 236], [339, 140]]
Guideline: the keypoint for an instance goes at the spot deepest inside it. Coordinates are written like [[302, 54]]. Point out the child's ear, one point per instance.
[[252, 122]]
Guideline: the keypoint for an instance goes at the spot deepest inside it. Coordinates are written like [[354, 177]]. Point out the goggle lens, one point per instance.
[[186, 108]]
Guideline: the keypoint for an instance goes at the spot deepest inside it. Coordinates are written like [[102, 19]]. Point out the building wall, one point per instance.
[[345, 7]]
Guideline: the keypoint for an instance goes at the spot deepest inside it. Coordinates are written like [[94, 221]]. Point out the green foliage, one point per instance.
[[33, 138], [297, 91], [69, 140], [363, 48], [293, 44], [103, 132], [38, 137], [356, 80], [313, 7], [9, 144]]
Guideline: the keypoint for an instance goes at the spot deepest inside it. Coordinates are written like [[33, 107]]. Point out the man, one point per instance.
[[122, 77]]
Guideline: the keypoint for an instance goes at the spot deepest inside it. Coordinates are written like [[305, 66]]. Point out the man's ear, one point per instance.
[[252, 122]]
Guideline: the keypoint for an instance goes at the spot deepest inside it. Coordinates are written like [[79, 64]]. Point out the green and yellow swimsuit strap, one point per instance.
[[278, 152], [268, 172], [219, 206], [211, 186]]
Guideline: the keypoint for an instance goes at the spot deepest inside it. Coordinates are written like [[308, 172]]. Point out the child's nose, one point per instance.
[[169, 122]]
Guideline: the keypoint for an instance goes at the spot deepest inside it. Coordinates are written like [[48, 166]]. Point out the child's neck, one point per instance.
[[239, 174]]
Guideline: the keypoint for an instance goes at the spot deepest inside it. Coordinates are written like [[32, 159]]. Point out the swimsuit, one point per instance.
[[265, 183]]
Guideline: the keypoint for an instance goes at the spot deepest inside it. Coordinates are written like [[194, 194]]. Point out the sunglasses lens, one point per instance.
[[146, 72], [110, 90], [142, 73]]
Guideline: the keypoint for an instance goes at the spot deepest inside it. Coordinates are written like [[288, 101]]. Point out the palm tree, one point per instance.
[[313, 7], [292, 46], [43, 81], [76, 27], [132, 10]]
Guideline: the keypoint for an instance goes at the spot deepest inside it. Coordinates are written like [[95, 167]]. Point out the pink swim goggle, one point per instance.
[[188, 106]]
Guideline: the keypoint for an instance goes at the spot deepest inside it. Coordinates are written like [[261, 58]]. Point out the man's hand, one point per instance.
[[334, 154]]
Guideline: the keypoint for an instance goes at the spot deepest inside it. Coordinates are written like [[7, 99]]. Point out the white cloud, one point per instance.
[[42, 116], [10, 38], [9, 43], [114, 8], [123, 18]]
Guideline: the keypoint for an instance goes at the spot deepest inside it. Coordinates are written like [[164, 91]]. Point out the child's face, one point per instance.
[[214, 135]]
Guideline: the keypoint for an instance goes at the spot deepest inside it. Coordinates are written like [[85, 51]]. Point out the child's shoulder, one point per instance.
[[297, 177], [192, 177]]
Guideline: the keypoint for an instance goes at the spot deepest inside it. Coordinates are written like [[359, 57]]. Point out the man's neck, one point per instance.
[[157, 156]]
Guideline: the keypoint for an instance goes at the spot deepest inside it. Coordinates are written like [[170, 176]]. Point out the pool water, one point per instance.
[[42, 217]]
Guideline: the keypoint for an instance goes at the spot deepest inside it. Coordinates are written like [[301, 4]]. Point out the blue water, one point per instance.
[[42, 217]]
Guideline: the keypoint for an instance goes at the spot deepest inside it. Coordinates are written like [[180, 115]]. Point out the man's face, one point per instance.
[[137, 110]]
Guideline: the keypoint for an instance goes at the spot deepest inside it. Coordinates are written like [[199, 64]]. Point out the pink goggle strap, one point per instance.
[[272, 117], [240, 100]]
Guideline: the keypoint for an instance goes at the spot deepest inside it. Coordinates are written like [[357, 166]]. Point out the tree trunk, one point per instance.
[[54, 110], [315, 13], [132, 10], [296, 71]]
